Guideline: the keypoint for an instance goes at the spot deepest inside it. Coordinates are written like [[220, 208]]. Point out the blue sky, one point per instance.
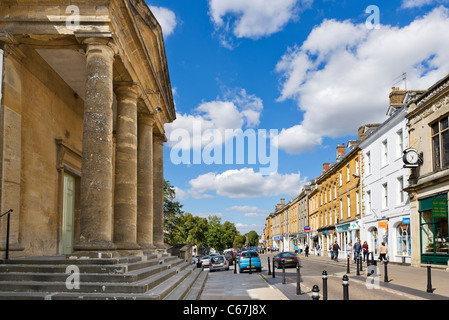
[[313, 70]]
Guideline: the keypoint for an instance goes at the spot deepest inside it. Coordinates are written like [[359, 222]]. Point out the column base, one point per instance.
[[94, 246]]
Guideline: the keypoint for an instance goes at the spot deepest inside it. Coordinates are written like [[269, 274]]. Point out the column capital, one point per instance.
[[127, 90], [146, 118], [100, 44], [159, 138]]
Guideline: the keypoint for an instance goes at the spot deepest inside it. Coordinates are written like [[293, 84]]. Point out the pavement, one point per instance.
[[403, 283]]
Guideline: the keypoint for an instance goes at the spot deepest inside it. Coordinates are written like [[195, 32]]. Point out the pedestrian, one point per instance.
[[335, 249], [306, 250], [365, 251], [317, 249], [331, 252], [383, 252], [349, 251], [357, 249]]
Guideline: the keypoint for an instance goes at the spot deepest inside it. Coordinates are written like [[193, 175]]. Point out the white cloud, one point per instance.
[[253, 18], [166, 18], [246, 209], [407, 4], [342, 74], [235, 110], [246, 183]]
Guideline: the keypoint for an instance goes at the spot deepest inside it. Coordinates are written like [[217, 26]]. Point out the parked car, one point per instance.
[[229, 257], [244, 261], [291, 259], [205, 261], [218, 263]]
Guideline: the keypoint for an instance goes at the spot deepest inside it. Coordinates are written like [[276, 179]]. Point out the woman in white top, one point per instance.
[[349, 251]]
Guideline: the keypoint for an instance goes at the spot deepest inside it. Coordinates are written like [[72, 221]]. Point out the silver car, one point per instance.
[[218, 263]]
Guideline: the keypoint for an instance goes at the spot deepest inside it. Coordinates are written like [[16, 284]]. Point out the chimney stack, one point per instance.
[[341, 150], [325, 166], [397, 96]]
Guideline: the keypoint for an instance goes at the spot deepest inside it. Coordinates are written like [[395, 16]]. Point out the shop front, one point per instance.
[[433, 217]]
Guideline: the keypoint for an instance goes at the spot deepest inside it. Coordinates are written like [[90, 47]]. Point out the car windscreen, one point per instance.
[[217, 259], [249, 254], [286, 255]]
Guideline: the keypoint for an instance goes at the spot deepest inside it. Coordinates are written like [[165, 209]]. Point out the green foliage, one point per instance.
[[182, 227]]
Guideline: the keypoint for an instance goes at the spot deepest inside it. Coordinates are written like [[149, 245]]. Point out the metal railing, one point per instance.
[[8, 213]]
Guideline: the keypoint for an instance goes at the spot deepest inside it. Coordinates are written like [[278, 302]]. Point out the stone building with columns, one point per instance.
[[85, 93]]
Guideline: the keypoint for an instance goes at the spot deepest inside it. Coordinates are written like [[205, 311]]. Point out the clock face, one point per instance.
[[412, 157]]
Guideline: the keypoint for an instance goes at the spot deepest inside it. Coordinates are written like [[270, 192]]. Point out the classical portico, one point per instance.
[[104, 91]]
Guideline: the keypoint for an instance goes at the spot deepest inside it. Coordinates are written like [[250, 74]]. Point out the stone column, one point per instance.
[[158, 191], [125, 192], [97, 168], [145, 181]]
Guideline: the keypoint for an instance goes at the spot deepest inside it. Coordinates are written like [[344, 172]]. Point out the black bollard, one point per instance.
[[274, 276], [250, 265], [358, 266], [347, 269], [235, 266], [283, 271], [429, 277], [324, 285], [361, 263], [298, 279], [345, 287], [269, 267], [315, 293], [386, 271]]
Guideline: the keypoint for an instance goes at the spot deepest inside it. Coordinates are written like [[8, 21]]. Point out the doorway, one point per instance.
[[68, 213]]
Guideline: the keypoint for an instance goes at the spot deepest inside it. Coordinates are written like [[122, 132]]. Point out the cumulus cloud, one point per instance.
[[245, 183], [342, 74], [235, 110], [246, 209], [253, 18], [166, 18], [407, 4]]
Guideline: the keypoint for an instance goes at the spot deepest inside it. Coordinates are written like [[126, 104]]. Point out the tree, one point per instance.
[[173, 217], [253, 238]]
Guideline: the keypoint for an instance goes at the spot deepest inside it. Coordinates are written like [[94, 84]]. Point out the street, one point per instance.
[[227, 285]]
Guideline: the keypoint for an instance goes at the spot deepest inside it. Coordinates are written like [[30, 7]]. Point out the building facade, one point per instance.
[[428, 130], [386, 204], [83, 108]]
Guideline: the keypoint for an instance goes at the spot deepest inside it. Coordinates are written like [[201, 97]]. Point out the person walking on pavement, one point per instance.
[[383, 252], [365, 251], [335, 249], [317, 249], [331, 252], [306, 250], [349, 251], [357, 249]]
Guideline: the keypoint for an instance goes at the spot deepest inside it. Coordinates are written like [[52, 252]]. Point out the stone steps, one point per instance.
[[149, 277]]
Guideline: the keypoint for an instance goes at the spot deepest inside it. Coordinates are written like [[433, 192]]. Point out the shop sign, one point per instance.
[[354, 226], [382, 224], [306, 229], [405, 220], [343, 228], [439, 208]]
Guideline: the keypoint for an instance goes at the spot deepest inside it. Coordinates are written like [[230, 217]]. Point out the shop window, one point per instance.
[[403, 240], [434, 233]]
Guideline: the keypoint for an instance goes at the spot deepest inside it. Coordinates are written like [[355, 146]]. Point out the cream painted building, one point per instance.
[[428, 130], [84, 102]]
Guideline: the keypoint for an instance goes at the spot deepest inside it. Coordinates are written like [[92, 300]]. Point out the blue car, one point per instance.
[[244, 261]]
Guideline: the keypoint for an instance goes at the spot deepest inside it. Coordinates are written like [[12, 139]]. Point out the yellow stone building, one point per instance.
[[85, 99]]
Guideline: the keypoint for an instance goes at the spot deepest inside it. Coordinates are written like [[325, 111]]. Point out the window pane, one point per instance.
[[444, 123], [441, 236], [445, 146], [436, 152], [435, 128]]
